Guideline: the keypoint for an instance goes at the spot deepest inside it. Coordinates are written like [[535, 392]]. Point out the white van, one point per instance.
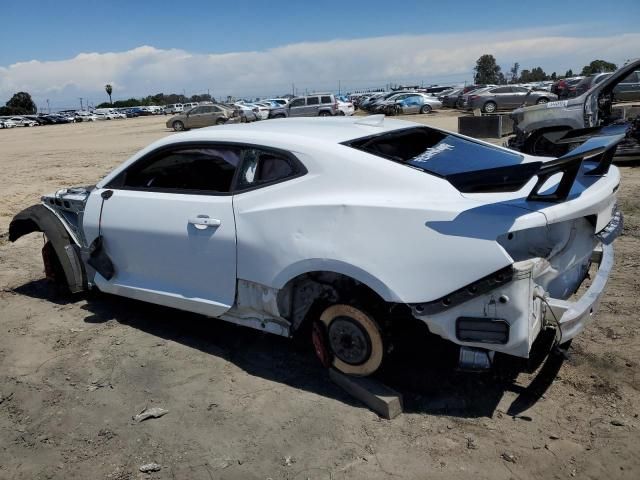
[[188, 106], [174, 108], [105, 111]]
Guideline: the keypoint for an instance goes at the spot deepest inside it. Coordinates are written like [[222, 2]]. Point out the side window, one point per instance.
[[325, 99], [501, 90], [313, 101], [206, 169], [297, 102], [519, 89], [261, 166], [216, 109]]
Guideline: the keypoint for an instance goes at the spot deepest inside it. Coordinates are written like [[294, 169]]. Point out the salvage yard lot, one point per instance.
[[246, 405]]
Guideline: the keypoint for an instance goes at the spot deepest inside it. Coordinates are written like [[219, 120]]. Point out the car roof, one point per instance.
[[296, 130]]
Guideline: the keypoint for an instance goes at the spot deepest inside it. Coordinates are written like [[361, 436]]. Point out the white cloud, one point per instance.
[[319, 65]]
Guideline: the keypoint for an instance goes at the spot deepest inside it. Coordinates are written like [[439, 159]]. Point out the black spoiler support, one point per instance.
[[599, 149]]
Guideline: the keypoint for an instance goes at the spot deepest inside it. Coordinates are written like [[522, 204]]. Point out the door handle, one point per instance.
[[204, 221]]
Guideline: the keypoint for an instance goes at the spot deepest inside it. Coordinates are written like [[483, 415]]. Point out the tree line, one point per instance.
[[157, 99], [487, 71]]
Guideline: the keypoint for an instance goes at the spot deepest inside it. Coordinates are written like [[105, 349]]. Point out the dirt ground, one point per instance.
[[244, 405]]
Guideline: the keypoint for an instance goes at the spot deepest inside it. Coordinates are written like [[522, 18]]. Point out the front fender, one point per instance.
[[39, 218]]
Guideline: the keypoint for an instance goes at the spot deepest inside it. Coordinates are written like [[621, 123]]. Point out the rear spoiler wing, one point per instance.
[[599, 149]]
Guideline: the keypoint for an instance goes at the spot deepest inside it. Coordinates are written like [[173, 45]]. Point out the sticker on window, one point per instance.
[[429, 153]]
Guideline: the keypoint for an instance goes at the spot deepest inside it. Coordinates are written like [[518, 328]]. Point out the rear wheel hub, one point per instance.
[[349, 342]]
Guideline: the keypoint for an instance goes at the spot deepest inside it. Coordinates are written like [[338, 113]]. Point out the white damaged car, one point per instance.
[[349, 224]]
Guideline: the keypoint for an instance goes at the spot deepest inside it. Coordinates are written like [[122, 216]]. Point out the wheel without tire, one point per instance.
[[489, 107], [354, 340], [178, 126], [425, 109]]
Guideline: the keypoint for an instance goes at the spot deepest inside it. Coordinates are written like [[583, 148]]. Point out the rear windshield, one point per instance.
[[435, 151]]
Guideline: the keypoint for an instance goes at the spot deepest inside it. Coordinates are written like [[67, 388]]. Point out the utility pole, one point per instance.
[[293, 89], [339, 88], [80, 103], [48, 107]]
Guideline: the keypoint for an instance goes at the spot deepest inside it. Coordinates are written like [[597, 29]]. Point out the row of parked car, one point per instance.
[[491, 98], [398, 102], [208, 114], [625, 91], [76, 116]]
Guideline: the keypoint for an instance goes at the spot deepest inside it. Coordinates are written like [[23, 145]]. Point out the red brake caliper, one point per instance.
[[319, 339]]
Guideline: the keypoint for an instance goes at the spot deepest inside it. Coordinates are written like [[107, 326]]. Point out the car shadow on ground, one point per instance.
[[421, 367]]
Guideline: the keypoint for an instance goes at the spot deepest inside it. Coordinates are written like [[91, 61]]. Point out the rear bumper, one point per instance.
[[509, 314], [572, 317]]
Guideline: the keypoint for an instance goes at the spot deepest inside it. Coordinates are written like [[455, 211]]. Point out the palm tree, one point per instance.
[[108, 88]]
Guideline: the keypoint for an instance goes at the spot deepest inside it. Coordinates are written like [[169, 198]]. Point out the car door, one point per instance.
[[169, 229], [196, 117], [313, 107], [518, 96], [297, 107], [628, 89], [412, 104], [502, 96]]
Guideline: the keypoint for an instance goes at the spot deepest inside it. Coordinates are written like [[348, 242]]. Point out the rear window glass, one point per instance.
[[325, 99], [434, 151], [469, 166]]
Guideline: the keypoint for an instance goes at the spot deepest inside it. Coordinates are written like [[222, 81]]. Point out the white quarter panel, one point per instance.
[[162, 258], [408, 235]]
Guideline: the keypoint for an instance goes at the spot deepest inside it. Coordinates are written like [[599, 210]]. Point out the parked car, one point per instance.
[[277, 110], [628, 90], [263, 109], [281, 101], [345, 106], [450, 99], [233, 223], [566, 87], [7, 123], [462, 100], [589, 82], [84, 116], [187, 106], [322, 105], [174, 108], [506, 97], [538, 129], [24, 122], [247, 113], [374, 105], [408, 103], [203, 116]]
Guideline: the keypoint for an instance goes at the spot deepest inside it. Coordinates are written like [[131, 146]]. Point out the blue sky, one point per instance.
[[59, 29], [128, 42]]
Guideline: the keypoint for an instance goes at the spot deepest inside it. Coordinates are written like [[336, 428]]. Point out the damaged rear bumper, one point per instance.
[[572, 317], [509, 317]]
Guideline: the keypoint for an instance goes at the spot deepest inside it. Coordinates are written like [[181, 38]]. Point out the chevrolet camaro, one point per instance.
[[346, 225]]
